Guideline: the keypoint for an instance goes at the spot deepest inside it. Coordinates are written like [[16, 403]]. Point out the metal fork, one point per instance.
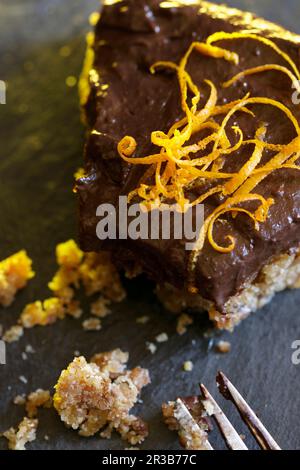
[[232, 438]]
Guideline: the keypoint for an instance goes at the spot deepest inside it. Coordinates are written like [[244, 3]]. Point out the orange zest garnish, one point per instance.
[[176, 168], [219, 36], [264, 68]]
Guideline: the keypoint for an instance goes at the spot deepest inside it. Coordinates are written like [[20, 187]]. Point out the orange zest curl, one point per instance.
[[175, 169], [127, 146]]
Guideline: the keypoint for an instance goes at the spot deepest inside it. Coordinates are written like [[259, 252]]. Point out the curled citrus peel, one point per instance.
[[176, 169], [264, 68], [221, 35]]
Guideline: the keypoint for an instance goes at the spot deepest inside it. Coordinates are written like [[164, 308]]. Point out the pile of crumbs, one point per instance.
[[15, 272], [26, 431], [97, 396], [94, 271]]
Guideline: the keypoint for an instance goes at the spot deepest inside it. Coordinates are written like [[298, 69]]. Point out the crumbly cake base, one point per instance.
[[283, 272]]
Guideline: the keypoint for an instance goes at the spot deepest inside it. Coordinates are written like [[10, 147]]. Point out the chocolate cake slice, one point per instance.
[[196, 103]]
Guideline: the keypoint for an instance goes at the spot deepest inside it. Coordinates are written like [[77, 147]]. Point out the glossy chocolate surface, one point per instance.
[[130, 37]]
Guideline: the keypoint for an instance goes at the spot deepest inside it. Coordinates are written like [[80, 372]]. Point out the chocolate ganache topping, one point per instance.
[[126, 99]]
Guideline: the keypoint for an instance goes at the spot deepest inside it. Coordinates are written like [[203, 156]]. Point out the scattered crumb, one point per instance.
[[243, 437], [183, 321], [23, 379], [71, 81], [42, 313], [162, 338], [13, 334], [151, 347], [29, 349], [76, 353], [24, 356], [100, 308], [46, 437], [188, 366], [15, 272], [69, 257], [92, 324], [37, 399], [192, 432], [223, 347], [92, 398], [74, 309], [19, 400], [17, 439], [143, 320]]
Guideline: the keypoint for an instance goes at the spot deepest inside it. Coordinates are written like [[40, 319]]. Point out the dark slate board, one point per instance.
[[41, 140]]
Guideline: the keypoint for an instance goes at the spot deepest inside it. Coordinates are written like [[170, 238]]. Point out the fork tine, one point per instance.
[[263, 437], [232, 438], [188, 421]]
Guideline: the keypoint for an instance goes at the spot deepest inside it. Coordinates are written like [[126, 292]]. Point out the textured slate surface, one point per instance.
[[40, 146]]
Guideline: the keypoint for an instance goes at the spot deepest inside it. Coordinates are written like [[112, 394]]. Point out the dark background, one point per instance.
[[41, 141]]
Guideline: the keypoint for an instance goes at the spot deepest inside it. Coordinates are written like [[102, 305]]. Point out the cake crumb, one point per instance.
[[19, 400], [74, 309], [100, 308], [39, 398], [29, 349], [17, 439], [42, 313], [23, 379], [15, 272], [13, 334], [183, 321], [24, 356], [162, 338], [114, 362], [65, 51], [188, 366], [223, 347], [98, 274], [98, 396], [143, 320], [92, 324], [151, 347]]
